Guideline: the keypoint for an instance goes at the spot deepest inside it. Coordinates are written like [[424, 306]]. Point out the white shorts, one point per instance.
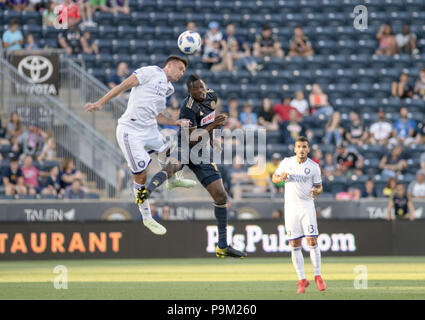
[[137, 145], [300, 220]]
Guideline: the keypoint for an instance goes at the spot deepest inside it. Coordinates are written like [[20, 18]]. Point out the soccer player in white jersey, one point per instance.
[[303, 182], [137, 130]]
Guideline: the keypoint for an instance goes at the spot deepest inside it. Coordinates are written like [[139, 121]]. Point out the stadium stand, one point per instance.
[[344, 63]]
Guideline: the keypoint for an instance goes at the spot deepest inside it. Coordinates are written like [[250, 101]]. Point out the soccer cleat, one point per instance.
[[302, 285], [179, 182], [154, 226], [229, 252], [142, 195], [321, 285]]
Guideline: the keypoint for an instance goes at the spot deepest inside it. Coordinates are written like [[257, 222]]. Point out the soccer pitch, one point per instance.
[[211, 278]]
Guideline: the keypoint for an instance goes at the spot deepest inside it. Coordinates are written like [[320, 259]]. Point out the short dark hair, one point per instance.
[[302, 139], [266, 27], [14, 21], [177, 58], [192, 78]]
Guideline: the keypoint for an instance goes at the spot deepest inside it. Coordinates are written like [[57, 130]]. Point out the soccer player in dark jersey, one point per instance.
[[198, 107], [402, 204]]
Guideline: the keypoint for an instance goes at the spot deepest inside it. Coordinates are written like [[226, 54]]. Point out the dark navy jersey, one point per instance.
[[201, 114]]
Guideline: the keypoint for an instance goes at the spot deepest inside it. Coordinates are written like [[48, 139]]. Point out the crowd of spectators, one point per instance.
[[29, 164]]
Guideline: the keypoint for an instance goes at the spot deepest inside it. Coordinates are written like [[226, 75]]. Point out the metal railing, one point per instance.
[[94, 155]]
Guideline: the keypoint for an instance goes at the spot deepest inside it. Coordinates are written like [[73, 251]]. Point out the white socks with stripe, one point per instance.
[[298, 261], [145, 208], [315, 259]]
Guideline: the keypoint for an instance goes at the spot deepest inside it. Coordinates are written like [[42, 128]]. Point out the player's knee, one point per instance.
[[295, 243], [312, 241], [220, 197], [140, 178]]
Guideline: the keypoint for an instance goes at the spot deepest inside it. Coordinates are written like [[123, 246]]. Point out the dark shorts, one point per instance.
[[205, 172]]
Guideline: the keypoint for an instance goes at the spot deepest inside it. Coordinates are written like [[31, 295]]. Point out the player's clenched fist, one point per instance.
[[93, 106], [279, 178], [183, 122], [220, 119]]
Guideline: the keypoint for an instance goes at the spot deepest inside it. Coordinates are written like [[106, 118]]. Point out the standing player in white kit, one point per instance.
[[137, 130], [302, 183]]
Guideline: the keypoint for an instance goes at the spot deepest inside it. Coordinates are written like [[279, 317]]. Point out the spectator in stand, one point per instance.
[[267, 117], [13, 38], [69, 39], [69, 14], [330, 167], [416, 188], [13, 128], [420, 133], [3, 4], [271, 168], [282, 109], [35, 5], [406, 41], [420, 85], [19, 5], [99, 5], [75, 191], [248, 118], [299, 45], [349, 161], [165, 212], [333, 130], [317, 156], [69, 173], [86, 13], [213, 34], [380, 131], [154, 210], [350, 194], [356, 133], [259, 176], [88, 45], [369, 190], [238, 176], [402, 204], [267, 44], [319, 103], [49, 15], [213, 56], [29, 43], [119, 76], [404, 129], [233, 120], [402, 89], [13, 179], [300, 103], [31, 141], [390, 188], [230, 37], [234, 57], [393, 163], [53, 183], [191, 26], [49, 149], [387, 41], [120, 6], [31, 175], [292, 129]]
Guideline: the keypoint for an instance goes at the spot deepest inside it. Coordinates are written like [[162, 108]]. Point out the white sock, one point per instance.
[[145, 208], [315, 259], [298, 261]]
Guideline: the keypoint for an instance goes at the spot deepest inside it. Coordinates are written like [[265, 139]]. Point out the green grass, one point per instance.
[[252, 278]]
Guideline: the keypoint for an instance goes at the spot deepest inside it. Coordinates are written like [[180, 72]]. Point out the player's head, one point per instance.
[[175, 67], [196, 87], [302, 148]]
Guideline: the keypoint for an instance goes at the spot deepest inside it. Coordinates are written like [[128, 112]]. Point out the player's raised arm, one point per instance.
[[130, 82]]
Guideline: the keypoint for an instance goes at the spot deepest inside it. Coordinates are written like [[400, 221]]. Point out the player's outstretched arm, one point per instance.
[[164, 120], [127, 84]]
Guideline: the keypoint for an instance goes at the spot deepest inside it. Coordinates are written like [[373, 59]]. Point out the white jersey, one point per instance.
[[148, 99], [302, 178]]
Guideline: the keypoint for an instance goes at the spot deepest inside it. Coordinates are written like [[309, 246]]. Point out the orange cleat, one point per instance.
[[302, 285], [321, 285]]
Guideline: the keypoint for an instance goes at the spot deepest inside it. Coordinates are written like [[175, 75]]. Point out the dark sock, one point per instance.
[[220, 212], [157, 180]]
